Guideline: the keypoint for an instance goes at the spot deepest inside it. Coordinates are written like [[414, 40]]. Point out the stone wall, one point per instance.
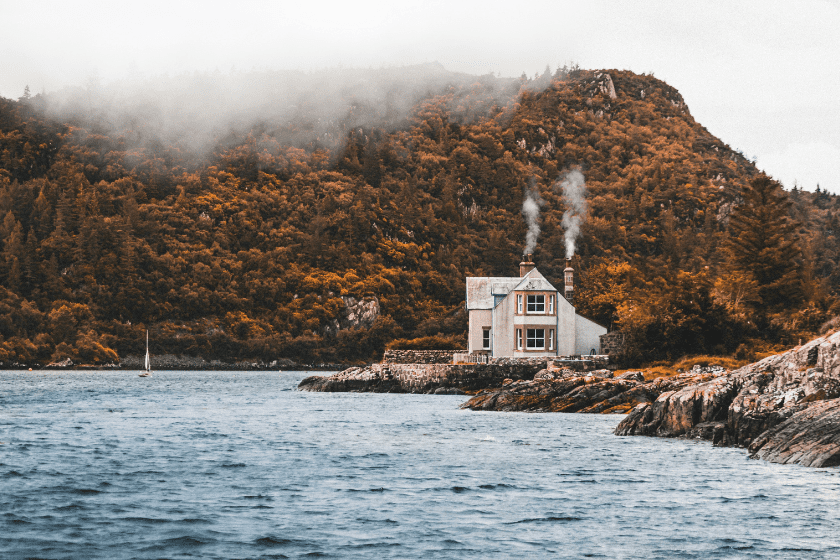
[[612, 343], [419, 356]]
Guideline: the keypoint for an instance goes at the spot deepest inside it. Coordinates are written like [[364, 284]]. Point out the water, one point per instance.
[[241, 465]]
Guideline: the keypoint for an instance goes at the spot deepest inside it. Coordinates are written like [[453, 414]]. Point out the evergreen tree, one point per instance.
[[763, 243]]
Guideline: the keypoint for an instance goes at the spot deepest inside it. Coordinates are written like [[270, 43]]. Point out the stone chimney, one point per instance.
[[527, 265], [569, 282]]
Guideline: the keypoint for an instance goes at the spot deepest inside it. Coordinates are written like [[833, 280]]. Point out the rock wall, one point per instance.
[[757, 405], [419, 356], [612, 343], [421, 378]]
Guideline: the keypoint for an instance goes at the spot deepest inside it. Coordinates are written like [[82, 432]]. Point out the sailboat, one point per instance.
[[148, 364]]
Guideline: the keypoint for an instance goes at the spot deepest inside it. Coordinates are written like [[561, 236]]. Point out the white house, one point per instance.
[[526, 316]]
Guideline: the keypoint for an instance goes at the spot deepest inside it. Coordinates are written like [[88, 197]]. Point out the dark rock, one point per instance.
[[810, 437], [421, 378], [780, 402], [65, 363], [634, 375], [568, 394]]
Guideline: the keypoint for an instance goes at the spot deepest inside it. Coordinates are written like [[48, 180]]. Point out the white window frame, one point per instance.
[[485, 338], [551, 304], [519, 339], [535, 338], [539, 306], [551, 339], [519, 303]]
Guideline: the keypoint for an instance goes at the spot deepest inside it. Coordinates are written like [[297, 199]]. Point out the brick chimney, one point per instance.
[[569, 282], [527, 265]]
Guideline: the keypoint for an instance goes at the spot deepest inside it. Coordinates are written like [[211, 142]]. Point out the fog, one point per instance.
[[196, 111], [759, 75]]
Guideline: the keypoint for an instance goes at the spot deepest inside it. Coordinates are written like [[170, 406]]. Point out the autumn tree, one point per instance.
[[763, 244]]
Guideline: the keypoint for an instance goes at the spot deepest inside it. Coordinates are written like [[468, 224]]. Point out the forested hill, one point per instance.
[[324, 237]]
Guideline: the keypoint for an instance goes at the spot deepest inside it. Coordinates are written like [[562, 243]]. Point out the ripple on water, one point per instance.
[[213, 465]]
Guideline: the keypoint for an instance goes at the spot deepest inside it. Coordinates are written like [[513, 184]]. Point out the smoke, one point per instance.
[[531, 210], [573, 188]]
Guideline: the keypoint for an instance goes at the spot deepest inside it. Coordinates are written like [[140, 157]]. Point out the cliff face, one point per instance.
[[783, 408]]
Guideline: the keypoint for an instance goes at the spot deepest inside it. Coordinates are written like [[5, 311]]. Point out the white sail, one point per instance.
[[148, 363]]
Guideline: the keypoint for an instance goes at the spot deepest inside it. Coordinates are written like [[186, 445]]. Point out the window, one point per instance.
[[551, 339], [518, 303], [535, 339], [519, 339], [536, 303], [551, 305], [485, 339]]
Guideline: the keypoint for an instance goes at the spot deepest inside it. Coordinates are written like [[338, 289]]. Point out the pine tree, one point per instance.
[[763, 243]]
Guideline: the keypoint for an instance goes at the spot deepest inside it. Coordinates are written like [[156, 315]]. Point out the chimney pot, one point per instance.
[[526, 266]]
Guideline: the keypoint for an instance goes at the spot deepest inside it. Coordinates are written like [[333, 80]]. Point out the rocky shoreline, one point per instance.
[[784, 408], [437, 379], [165, 362]]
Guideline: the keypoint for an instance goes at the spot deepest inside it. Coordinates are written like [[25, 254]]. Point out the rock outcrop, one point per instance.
[[783, 408], [421, 378], [564, 390], [810, 437]]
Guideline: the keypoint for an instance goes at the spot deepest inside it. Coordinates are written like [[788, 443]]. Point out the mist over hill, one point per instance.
[[319, 217]]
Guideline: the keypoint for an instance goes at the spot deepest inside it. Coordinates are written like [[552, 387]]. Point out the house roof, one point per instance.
[[482, 289]]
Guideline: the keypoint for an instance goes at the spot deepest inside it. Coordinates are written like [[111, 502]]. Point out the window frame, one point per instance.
[[519, 303], [551, 304], [551, 339], [538, 304], [535, 338], [485, 338], [519, 339]]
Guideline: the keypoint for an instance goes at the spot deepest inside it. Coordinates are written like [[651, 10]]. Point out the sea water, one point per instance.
[[242, 465]]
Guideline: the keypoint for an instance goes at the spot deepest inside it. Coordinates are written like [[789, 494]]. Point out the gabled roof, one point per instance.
[[534, 281], [482, 289]]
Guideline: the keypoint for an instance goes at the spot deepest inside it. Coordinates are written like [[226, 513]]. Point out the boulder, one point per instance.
[[634, 375]]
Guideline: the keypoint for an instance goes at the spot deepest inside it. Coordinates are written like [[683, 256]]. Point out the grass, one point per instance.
[[671, 369]]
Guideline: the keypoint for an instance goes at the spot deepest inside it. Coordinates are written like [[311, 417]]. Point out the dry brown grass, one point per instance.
[[670, 369]]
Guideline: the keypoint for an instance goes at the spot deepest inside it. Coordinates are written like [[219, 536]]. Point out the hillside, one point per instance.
[[323, 237]]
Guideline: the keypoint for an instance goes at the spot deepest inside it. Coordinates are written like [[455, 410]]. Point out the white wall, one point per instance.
[[566, 333], [587, 335], [503, 327], [479, 318]]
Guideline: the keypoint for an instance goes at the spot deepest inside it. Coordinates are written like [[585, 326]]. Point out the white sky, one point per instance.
[[760, 75]]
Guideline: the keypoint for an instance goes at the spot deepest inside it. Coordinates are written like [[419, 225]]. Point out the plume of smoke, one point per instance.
[[531, 210], [573, 188]]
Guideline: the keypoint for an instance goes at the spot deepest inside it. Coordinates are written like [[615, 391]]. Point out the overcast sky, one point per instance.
[[763, 76]]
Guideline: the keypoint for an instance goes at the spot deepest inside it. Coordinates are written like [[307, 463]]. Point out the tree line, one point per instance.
[[258, 248]]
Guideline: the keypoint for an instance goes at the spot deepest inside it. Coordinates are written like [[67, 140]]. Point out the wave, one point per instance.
[[549, 519], [85, 491]]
